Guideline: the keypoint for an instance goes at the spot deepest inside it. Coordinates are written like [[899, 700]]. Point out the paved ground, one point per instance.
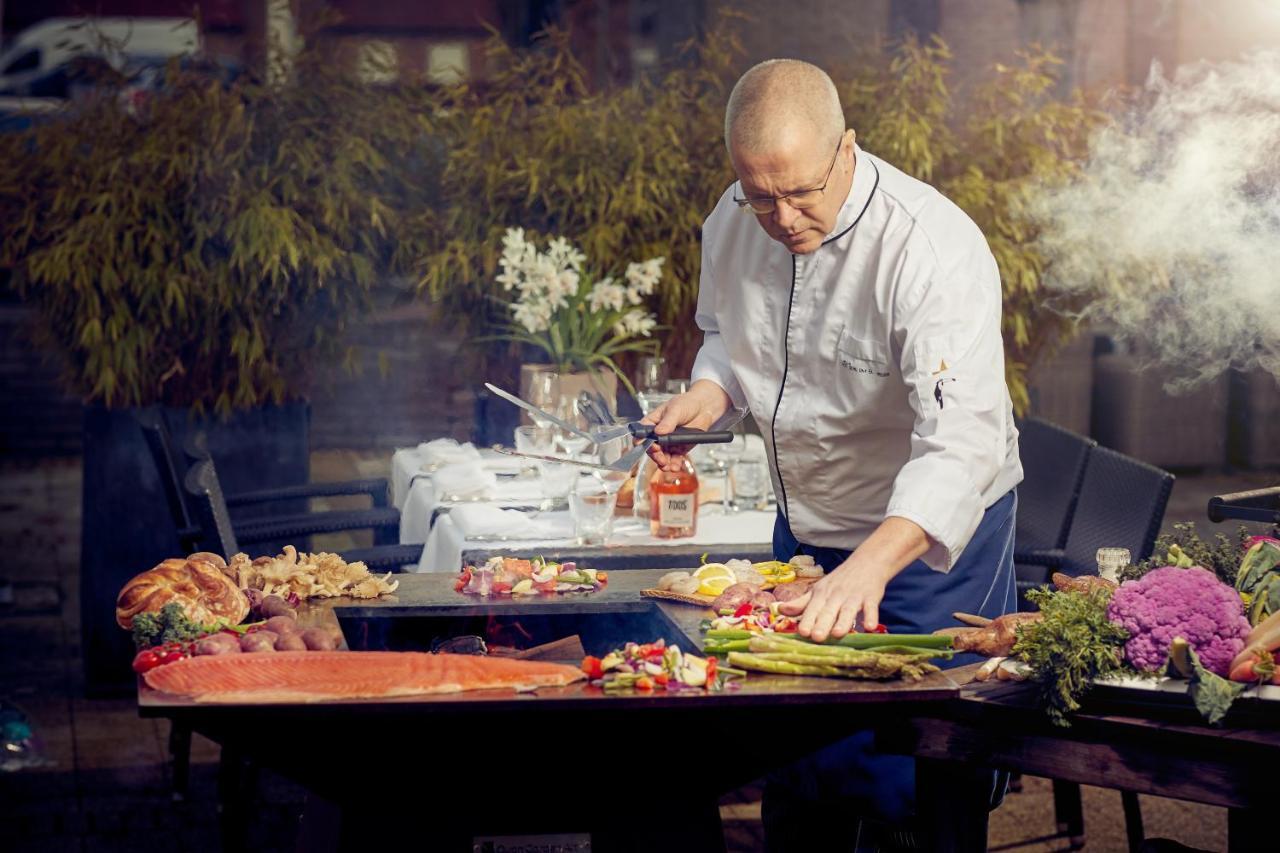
[[107, 784]]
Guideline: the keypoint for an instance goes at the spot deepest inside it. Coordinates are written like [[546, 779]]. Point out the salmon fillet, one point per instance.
[[319, 676]]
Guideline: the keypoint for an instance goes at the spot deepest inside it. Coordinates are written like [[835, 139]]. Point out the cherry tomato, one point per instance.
[[146, 660]]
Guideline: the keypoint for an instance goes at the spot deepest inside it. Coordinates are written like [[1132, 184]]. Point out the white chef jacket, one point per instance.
[[874, 366]]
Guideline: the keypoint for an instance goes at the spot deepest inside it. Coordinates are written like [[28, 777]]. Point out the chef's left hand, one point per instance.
[[850, 595], [833, 605]]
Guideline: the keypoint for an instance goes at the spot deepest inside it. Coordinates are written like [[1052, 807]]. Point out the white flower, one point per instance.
[[513, 243], [534, 315], [606, 294], [636, 323], [642, 279]]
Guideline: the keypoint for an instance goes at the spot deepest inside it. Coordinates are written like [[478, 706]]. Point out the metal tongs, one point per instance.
[[601, 433]]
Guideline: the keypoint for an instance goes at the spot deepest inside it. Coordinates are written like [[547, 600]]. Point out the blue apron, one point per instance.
[[918, 601]]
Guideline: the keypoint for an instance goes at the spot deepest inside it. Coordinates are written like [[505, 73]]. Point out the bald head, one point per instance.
[[779, 100]]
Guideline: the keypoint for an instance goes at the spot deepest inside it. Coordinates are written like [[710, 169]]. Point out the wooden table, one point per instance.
[[1001, 724], [626, 768], [636, 771]]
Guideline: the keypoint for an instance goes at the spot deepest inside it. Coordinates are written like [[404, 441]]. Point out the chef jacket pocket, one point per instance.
[[868, 360]]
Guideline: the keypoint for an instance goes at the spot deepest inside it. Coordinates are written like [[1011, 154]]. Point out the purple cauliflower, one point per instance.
[[1174, 602]]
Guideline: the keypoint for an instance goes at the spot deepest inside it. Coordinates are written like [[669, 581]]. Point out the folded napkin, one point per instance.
[[477, 520], [464, 479], [446, 451]]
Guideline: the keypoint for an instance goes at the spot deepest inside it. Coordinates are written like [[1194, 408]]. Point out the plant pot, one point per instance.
[[571, 384], [126, 525]]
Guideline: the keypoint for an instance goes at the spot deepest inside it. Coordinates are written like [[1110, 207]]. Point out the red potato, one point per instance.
[[274, 605], [291, 642], [281, 625], [318, 640], [259, 641], [218, 644]]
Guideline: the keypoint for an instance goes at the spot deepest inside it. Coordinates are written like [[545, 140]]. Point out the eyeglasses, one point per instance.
[[800, 199]]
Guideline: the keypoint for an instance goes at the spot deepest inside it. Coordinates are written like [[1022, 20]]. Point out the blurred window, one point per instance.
[[448, 62]]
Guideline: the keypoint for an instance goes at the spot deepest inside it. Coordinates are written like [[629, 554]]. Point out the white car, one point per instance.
[[37, 61]]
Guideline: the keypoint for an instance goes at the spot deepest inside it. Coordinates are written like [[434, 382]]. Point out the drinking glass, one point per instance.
[[538, 440], [677, 386], [557, 480], [724, 456], [652, 374], [591, 506], [750, 483], [535, 439], [544, 392], [710, 472]]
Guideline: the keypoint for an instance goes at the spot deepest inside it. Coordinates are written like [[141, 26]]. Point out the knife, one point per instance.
[[534, 410], [635, 429]]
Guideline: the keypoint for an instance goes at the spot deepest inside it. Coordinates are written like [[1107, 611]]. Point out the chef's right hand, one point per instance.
[[697, 408]]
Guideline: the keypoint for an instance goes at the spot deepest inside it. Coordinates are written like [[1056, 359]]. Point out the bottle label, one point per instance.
[[676, 510]]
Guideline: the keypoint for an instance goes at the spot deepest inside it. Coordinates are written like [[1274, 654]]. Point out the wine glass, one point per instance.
[[544, 392], [725, 455], [608, 452], [571, 412]]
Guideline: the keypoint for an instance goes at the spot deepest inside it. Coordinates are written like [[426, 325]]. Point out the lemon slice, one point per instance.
[[715, 585], [714, 570], [783, 577]]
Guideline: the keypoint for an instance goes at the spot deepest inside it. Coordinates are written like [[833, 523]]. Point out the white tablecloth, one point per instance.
[[445, 543], [414, 492]]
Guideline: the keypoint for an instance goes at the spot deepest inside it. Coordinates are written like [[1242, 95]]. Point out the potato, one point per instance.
[[281, 625], [318, 640], [259, 641], [274, 605], [218, 644], [291, 642]]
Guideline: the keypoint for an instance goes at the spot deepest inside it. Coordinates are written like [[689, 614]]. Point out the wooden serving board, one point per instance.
[[684, 598]]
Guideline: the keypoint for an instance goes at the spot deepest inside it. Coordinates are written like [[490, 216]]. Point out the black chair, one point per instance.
[[1121, 504], [1053, 465], [216, 533], [173, 466]]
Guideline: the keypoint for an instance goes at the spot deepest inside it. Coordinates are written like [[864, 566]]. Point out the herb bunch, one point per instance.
[[1221, 554], [1074, 644]]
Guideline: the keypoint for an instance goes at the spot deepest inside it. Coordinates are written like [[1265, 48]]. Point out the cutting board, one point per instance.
[[684, 598]]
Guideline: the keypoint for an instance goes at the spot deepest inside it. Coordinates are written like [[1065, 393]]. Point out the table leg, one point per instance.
[[180, 752], [953, 800], [235, 781], [320, 830], [1248, 831]]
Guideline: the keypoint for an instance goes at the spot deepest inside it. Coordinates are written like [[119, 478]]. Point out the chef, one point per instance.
[[856, 312]]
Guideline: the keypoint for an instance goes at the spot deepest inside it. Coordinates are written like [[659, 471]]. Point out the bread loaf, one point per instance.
[[198, 583]]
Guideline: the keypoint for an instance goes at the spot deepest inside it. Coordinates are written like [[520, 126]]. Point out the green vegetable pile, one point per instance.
[[170, 625], [784, 654], [1074, 644]]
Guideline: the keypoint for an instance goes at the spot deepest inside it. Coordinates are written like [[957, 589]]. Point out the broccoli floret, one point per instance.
[[168, 626], [146, 630], [177, 627]]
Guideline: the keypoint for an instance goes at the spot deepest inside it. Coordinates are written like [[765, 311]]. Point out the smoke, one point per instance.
[[1172, 236]]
